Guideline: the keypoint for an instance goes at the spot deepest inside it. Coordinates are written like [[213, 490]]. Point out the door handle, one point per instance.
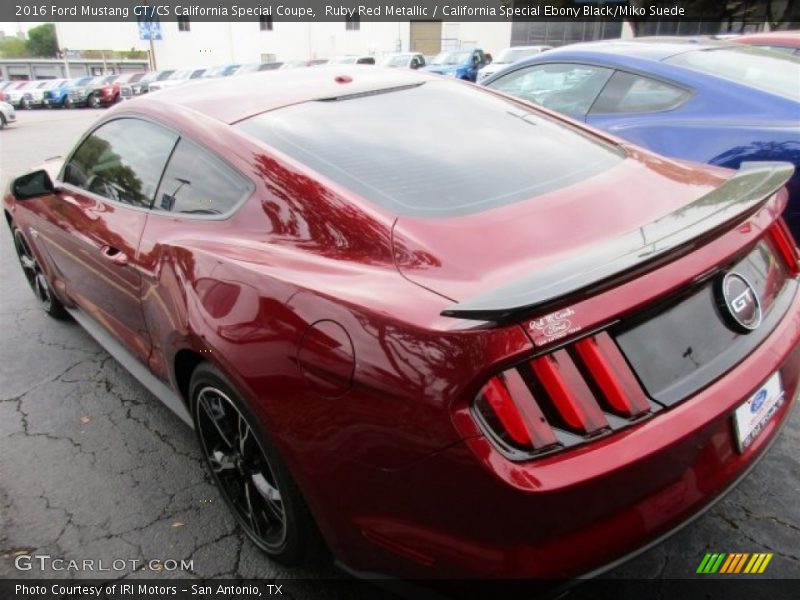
[[114, 255]]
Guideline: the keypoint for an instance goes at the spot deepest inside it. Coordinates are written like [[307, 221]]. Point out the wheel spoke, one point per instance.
[[244, 433], [215, 418], [270, 494], [251, 513]]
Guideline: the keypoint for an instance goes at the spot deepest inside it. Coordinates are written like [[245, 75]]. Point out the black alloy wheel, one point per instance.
[[36, 278], [248, 472]]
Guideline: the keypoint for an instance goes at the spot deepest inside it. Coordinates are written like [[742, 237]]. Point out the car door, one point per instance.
[[568, 88], [94, 223]]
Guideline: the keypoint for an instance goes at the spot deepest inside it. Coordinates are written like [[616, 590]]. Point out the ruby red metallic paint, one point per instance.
[[366, 389]]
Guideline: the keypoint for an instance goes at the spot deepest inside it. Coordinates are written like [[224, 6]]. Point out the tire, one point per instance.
[[25, 104], [94, 101], [36, 277], [67, 102], [249, 473], [2, 121]]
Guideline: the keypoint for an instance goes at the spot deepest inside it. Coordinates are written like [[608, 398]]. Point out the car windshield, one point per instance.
[[400, 60], [511, 55], [343, 60], [760, 69], [53, 85], [110, 79], [451, 58], [164, 75], [510, 154]]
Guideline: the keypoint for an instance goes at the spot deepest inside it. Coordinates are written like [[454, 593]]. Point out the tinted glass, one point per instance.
[[400, 150], [761, 69], [567, 88], [196, 182], [629, 93], [122, 161]]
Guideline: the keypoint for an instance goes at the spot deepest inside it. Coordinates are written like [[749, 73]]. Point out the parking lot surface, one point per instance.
[[93, 467]]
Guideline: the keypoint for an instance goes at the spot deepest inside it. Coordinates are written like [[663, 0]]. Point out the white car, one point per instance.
[[404, 60], [7, 114], [352, 59], [178, 78], [509, 56], [21, 97]]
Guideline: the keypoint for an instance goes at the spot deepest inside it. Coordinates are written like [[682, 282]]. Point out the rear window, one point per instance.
[[761, 69], [434, 149]]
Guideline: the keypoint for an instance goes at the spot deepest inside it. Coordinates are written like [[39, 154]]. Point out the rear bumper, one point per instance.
[[582, 511]]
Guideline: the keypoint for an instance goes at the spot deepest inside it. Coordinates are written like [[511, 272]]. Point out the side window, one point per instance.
[[567, 88], [122, 161], [629, 93], [197, 182]]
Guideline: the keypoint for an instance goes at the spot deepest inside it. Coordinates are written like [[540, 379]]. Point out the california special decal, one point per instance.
[[552, 327]]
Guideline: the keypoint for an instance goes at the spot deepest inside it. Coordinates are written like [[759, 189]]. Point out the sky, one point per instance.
[[11, 28]]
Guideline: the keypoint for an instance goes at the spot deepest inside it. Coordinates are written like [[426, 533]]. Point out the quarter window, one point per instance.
[[629, 93], [196, 182], [567, 88], [122, 161]]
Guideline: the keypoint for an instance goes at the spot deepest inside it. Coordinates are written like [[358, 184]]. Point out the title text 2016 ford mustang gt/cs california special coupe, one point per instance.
[[515, 349]]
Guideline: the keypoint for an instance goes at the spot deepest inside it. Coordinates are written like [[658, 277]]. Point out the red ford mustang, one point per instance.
[[436, 329]]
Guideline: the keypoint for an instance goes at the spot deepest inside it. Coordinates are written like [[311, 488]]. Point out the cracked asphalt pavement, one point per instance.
[[94, 467]]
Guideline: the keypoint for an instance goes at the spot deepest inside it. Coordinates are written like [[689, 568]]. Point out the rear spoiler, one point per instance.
[[740, 195]]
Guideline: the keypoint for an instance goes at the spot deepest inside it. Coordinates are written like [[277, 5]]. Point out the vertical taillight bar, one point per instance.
[[539, 429], [569, 392], [786, 246], [613, 376]]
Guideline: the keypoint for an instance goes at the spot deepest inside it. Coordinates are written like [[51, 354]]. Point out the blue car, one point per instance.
[[58, 97], [713, 103], [461, 64]]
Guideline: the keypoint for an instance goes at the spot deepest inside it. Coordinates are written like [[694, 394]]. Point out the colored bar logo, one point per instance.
[[733, 563]]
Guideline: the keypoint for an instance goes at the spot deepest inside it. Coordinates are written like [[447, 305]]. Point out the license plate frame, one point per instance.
[[750, 417]]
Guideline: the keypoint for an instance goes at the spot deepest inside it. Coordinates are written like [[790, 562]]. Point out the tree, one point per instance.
[[13, 48], [42, 41]]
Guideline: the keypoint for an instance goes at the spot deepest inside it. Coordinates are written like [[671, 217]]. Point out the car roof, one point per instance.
[[233, 99], [647, 50], [790, 38]]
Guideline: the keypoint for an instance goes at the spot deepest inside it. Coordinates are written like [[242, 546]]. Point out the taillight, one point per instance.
[[786, 246], [562, 399]]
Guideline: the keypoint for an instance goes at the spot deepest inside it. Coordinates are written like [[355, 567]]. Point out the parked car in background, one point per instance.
[[722, 104], [35, 98], [461, 64], [781, 41], [404, 60], [257, 67], [351, 59], [143, 85], [97, 92], [7, 114], [56, 97], [221, 71], [450, 346], [509, 56], [20, 96], [179, 77]]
